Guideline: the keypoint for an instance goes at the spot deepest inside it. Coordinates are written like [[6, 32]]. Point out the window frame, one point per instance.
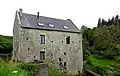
[[41, 24], [42, 39], [68, 40], [42, 55]]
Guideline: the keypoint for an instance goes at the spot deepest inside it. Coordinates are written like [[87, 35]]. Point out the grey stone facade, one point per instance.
[[27, 47]]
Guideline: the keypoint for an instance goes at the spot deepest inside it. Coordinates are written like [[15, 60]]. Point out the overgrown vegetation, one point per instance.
[[103, 66], [10, 70], [103, 41], [26, 69], [31, 68], [5, 44]]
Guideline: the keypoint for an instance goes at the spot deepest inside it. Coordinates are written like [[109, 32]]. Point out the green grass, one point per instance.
[[101, 61], [53, 72], [27, 69], [7, 70], [103, 66]]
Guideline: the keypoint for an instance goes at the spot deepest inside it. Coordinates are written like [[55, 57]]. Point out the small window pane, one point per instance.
[[50, 25], [68, 40], [40, 24], [65, 27], [42, 39]]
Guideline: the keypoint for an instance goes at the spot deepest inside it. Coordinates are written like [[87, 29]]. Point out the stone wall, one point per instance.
[[16, 35]]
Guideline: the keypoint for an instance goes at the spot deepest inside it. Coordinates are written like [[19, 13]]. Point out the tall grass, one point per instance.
[[7, 70], [53, 72], [27, 69]]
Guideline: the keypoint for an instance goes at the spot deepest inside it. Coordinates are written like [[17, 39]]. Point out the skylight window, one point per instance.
[[65, 27], [41, 24], [50, 25]]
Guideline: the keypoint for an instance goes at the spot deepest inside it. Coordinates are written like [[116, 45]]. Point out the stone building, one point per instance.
[[43, 38]]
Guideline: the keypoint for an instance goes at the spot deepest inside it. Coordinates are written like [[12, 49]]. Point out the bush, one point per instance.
[[32, 69], [7, 70], [53, 72]]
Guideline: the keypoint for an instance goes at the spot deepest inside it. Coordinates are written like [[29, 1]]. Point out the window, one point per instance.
[[60, 59], [41, 24], [42, 55], [64, 63], [50, 25], [68, 40], [28, 48], [42, 39], [65, 27], [64, 53]]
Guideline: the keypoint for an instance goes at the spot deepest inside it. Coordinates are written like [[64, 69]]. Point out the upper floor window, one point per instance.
[[68, 40], [42, 39]]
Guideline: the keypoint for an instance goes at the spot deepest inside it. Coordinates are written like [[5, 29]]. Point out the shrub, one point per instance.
[[32, 69], [7, 70], [53, 72]]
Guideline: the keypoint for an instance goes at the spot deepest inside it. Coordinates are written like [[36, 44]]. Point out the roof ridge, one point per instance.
[[46, 17]]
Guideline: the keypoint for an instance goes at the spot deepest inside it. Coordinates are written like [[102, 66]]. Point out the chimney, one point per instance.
[[20, 11], [68, 19], [37, 15]]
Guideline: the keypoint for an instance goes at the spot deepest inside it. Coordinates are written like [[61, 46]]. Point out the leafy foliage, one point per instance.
[[32, 69], [7, 70], [106, 41], [114, 21], [5, 44]]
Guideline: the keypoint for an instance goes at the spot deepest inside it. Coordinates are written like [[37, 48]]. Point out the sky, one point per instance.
[[81, 12]]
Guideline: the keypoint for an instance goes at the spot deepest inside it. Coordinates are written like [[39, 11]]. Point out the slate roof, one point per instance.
[[31, 21]]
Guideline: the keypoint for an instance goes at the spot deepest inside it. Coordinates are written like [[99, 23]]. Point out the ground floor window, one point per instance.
[[42, 55]]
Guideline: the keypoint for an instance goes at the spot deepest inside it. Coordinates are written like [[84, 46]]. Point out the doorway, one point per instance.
[[42, 55]]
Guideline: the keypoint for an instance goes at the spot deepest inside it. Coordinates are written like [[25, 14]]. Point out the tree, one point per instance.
[[113, 21], [88, 42], [83, 28], [104, 22], [117, 20], [99, 22], [106, 41], [109, 22]]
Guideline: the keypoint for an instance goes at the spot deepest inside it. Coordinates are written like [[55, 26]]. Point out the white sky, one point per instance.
[[81, 12]]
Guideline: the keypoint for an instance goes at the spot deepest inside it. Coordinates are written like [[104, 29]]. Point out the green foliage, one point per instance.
[[103, 66], [102, 41], [32, 69], [88, 41], [114, 21], [7, 70], [106, 41], [5, 44], [52, 71]]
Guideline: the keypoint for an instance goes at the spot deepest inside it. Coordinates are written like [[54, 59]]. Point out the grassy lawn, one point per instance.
[[102, 65], [101, 61]]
